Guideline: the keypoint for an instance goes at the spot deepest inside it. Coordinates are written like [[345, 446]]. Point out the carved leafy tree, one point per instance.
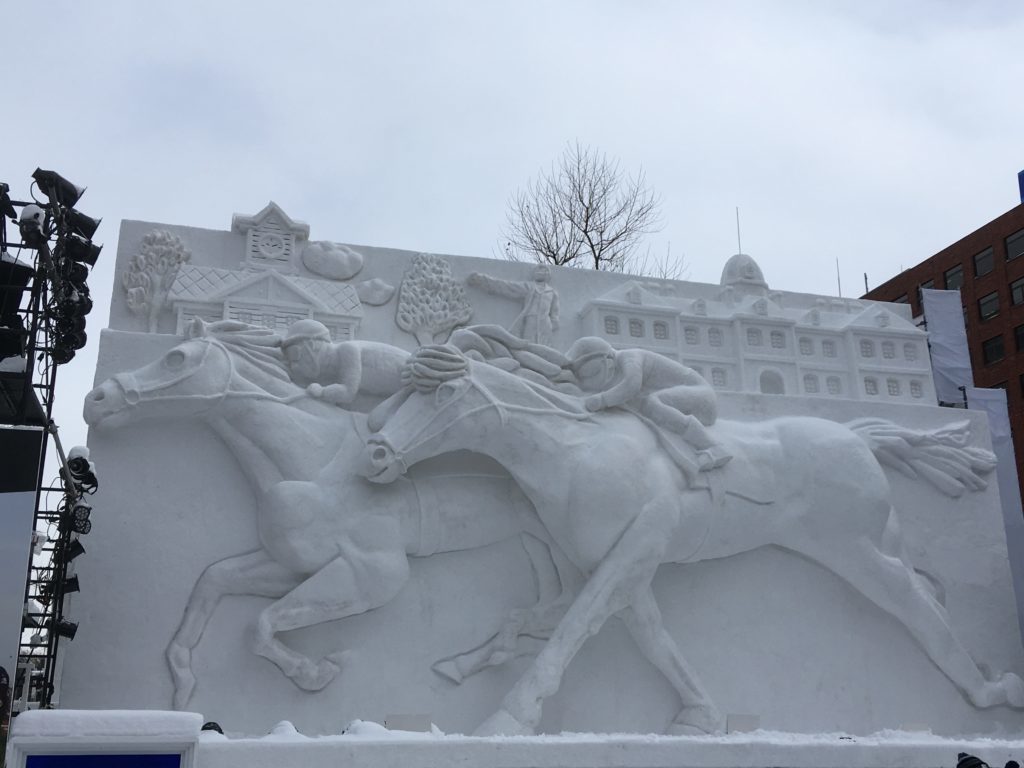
[[149, 278], [430, 301]]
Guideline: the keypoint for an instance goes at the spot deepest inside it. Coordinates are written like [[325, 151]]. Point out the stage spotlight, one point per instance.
[[32, 226], [83, 471], [80, 224], [81, 249], [80, 512], [57, 188], [74, 549], [66, 628]]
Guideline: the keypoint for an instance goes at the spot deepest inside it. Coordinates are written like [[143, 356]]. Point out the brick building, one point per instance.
[[988, 268]]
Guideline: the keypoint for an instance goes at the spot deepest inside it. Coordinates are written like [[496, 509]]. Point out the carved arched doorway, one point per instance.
[[772, 383]]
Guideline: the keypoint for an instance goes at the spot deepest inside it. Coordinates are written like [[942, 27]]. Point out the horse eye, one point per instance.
[[174, 359]]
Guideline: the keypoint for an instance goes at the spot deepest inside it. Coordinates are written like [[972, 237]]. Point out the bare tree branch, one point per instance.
[[584, 211]]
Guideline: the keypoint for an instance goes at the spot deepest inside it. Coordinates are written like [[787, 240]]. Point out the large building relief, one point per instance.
[[398, 512]]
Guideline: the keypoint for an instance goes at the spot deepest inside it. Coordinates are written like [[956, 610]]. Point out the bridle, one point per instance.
[[133, 391]]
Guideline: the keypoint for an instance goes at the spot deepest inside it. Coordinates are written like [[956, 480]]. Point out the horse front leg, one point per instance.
[[254, 573], [627, 568], [351, 584]]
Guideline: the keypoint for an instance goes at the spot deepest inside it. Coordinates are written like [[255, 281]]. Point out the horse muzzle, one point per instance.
[[106, 405], [379, 463]]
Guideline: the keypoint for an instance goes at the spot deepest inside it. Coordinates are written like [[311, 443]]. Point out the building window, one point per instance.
[[870, 386], [867, 348], [715, 337], [611, 325], [1018, 337], [988, 306], [992, 350], [691, 334], [1015, 245], [904, 299], [888, 350], [1017, 291], [894, 387], [636, 328], [806, 346], [778, 340], [983, 263], [811, 384], [916, 390], [835, 386], [718, 377], [954, 277], [660, 330], [910, 351], [828, 348], [754, 337]]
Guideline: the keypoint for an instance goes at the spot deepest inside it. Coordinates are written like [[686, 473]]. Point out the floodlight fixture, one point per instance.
[[32, 226], [71, 585], [73, 550], [80, 224], [65, 628], [83, 471], [81, 249], [57, 188], [6, 206]]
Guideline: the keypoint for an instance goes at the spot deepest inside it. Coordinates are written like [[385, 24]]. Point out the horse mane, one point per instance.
[[257, 346], [526, 359]]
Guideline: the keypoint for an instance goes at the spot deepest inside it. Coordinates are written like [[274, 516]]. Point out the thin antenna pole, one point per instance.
[[839, 282], [739, 243]]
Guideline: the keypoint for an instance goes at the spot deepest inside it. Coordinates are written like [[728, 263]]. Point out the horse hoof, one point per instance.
[[697, 721], [314, 677], [449, 670], [1013, 686], [501, 723]]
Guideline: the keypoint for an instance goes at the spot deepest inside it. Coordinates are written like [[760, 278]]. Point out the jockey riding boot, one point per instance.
[[710, 455]]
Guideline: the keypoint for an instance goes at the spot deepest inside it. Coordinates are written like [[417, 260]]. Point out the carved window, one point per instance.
[[867, 348], [916, 390], [828, 348], [806, 346], [611, 325], [715, 337], [835, 386], [700, 307], [888, 350], [778, 340], [910, 351], [810, 384], [660, 330], [893, 386], [870, 386], [754, 337], [691, 333], [718, 377], [636, 328], [761, 307]]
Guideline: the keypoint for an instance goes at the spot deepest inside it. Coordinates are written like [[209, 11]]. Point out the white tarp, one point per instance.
[[947, 337], [993, 402]]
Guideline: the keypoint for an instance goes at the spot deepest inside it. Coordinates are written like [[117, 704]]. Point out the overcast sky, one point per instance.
[[872, 132]]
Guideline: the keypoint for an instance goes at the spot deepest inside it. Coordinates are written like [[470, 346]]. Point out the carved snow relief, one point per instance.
[[430, 302], [538, 319], [332, 260], [153, 270]]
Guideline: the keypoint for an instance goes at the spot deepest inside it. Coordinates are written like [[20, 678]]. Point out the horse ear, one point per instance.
[[196, 329]]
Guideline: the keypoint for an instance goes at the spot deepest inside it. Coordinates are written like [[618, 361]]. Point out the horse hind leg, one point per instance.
[[891, 583]]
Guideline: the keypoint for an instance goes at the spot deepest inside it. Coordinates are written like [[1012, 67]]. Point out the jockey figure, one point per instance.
[[668, 393]]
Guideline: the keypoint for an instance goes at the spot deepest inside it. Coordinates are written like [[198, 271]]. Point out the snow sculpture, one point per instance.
[[807, 485], [332, 260], [539, 318], [332, 544], [152, 272], [430, 302]]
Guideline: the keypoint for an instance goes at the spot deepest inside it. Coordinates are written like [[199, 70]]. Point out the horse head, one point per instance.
[[449, 403], [191, 379]]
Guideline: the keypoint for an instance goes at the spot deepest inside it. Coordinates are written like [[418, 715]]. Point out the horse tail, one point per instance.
[[939, 456]]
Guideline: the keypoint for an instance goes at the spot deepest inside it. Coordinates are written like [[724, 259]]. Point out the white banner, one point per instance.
[[947, 337], [993, 402]]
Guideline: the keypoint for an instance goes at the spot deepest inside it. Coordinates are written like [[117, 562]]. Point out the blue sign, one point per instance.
[[103, 761]]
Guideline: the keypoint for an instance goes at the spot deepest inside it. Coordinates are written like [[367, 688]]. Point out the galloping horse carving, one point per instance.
[[618, 507], [333, 545]]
